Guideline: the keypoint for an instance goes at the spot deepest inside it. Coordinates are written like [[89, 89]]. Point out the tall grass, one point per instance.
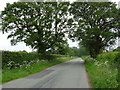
[[103, 70]]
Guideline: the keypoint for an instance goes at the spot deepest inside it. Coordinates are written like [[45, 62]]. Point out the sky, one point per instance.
[[5, 43]]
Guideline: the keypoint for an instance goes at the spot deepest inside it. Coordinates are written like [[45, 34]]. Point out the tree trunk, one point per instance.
[[97, 46], [41, 52]]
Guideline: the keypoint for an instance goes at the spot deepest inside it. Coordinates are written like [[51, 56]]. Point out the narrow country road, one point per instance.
[[70, 74]]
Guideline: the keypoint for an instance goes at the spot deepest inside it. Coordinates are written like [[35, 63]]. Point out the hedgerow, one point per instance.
[[17, 59], [22, 58], [110, 57]]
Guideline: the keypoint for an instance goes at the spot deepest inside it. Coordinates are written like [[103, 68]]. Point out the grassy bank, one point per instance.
[[103, 70], [10, 74]]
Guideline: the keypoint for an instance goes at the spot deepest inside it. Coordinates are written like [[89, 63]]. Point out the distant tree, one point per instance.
[[75, 50], [95, 24], [82, 51], [70, 51]]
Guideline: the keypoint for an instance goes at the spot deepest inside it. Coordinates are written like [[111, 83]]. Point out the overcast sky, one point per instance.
[[5, 43]]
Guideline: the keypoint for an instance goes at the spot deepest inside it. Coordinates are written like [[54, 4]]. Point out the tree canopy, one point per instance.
[[36, 24], [97, 25], [45, 25]]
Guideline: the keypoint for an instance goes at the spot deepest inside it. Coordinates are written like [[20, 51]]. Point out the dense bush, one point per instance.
[[16, 59], [110, 57], [23, 58]]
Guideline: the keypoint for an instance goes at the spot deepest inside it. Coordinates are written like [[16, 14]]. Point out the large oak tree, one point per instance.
[[96, 24], [38, 24]]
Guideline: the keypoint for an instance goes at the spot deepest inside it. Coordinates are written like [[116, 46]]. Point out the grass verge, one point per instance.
[[11, 74], [102, 75]]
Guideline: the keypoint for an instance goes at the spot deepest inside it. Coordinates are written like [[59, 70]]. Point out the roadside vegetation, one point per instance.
[[103, 70], [20, 64], [46, 27]]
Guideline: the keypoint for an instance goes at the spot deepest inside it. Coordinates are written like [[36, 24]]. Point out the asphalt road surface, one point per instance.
[[70, 74]]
